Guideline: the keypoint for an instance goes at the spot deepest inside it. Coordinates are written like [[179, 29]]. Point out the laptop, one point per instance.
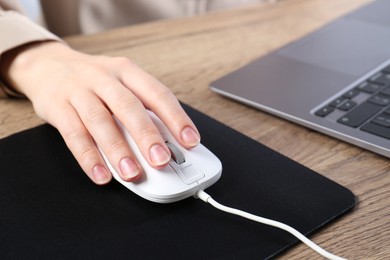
[[335, 80]]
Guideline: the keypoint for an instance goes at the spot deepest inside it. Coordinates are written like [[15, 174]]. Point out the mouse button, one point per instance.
[[176, 154], [187, 172], [163, 182]]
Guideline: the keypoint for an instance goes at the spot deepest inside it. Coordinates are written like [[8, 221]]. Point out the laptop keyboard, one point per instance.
[[365, 107]]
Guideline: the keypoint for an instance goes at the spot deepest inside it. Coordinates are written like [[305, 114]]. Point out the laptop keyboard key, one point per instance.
[[380, 100], [386, 91], [382, 119], [346, 106], [360, 114], [369, 87], [386, 69], [387, 110], [351, 94], [377, 130], [324, 111], [381, 78], [337, 102]]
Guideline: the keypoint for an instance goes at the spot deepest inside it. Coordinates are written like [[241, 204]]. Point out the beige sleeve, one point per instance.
[[16, 30]]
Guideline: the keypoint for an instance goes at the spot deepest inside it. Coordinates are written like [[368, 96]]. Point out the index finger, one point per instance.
[[158, 98]]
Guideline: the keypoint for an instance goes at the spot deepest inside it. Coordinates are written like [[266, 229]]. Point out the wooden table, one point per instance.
[[187, 54]]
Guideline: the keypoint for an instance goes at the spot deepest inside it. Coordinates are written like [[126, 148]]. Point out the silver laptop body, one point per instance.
[[300, 81]]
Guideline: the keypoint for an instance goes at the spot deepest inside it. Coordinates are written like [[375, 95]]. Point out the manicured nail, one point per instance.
[[129, 169], [100, 174], [190, 137], [158, 155]]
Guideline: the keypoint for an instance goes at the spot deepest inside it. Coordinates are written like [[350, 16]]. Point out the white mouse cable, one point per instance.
[[208, 199]]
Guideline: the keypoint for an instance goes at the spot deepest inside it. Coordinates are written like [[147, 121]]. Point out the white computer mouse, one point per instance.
[[187, 172]]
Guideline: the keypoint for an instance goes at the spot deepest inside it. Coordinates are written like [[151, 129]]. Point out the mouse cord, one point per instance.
[[207, 198]]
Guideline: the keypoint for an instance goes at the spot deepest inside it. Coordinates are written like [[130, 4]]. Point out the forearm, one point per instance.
[[16, 32]]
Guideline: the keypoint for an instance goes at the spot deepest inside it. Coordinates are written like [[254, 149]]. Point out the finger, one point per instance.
[[100, 124], [81, 144], [158, 98], [131, 112]]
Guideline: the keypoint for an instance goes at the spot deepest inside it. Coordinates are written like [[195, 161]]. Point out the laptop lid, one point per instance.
[[295, 81]]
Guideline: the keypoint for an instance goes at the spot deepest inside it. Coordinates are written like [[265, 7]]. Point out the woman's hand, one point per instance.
[[77, 93]]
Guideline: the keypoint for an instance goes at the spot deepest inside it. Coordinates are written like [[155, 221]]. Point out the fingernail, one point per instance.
[[190, 137], [100, 174], [158, 155], [129, 169]]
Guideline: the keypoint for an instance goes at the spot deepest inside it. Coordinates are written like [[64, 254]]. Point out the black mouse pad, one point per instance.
[[49, 209]]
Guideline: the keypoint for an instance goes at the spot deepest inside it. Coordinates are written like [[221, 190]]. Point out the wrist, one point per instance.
[[15, 63], [6, 60]]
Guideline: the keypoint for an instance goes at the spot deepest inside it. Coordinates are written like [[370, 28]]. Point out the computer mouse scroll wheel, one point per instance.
[[176, 154]]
